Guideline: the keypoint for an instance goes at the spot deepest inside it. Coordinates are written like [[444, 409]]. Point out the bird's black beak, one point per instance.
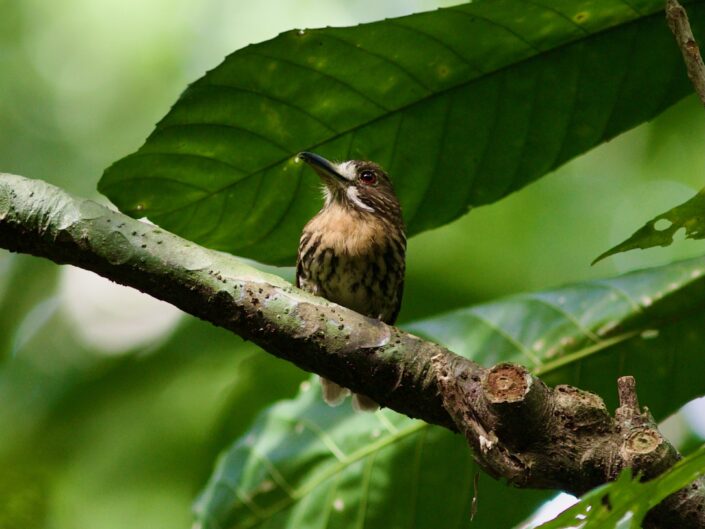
[[323, 167]]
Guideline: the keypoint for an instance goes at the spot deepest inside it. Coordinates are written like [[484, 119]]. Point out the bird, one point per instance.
[[353, 251]]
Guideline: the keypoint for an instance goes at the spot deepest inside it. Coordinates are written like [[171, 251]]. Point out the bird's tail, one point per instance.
[[333, 394], [363, 403]]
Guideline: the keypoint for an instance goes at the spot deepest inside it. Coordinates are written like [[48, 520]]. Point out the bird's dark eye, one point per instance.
[[368, 177]]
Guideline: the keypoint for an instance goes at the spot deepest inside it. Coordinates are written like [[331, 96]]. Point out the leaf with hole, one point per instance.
[[660, 230]]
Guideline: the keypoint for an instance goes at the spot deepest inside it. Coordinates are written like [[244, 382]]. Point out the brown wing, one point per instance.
[[396, 256], [400, 294], [299, 271], [303, 241]]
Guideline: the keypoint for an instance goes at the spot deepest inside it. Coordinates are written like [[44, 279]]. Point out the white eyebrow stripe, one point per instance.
[[355, 199], [347, 170]]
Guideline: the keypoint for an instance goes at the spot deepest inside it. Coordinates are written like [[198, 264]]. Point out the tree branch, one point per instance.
[[519, 429], [677, 19]]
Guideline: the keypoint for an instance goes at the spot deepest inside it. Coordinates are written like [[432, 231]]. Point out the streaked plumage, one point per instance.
[[353, 251]]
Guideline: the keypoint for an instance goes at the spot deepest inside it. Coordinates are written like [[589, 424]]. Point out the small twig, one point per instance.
[[677, 20], [626, 386]]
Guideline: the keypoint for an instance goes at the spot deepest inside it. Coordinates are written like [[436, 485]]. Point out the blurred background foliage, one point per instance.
[[113, 407]]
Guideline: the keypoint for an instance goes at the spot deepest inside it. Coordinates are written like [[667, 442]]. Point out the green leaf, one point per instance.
[[462, 105], [649, 324], [689, 215], [629, 495], [307, 465]]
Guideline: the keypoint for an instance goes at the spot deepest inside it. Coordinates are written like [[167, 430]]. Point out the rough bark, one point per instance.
[[678, 22], [519, 429]]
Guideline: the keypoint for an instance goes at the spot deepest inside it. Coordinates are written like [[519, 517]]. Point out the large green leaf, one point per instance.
[[649, 324], [306, 465], [689, 216], [462, 106]]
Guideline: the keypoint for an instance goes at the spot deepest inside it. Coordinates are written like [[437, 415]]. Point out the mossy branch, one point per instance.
[[519, 429]]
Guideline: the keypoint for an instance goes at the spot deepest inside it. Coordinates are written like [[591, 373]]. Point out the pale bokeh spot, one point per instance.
[[113, 318]]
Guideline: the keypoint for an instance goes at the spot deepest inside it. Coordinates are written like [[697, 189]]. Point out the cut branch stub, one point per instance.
[[629, 415], [643, 448], [540, 437], [647, 452], [460, 383], [626, 389], [519, 403]]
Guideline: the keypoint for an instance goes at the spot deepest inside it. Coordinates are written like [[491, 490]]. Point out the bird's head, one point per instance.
[[360, 185]]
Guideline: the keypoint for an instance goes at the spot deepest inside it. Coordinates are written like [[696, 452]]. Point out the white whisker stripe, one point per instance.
[[355, 199]]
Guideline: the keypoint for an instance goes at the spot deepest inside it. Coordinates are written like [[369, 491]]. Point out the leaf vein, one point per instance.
[[239, 128], [520, 347], [322, 74], [494, 23], [274, 99], [563, 312], [560, 14], [381, 57], [438, 41]]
